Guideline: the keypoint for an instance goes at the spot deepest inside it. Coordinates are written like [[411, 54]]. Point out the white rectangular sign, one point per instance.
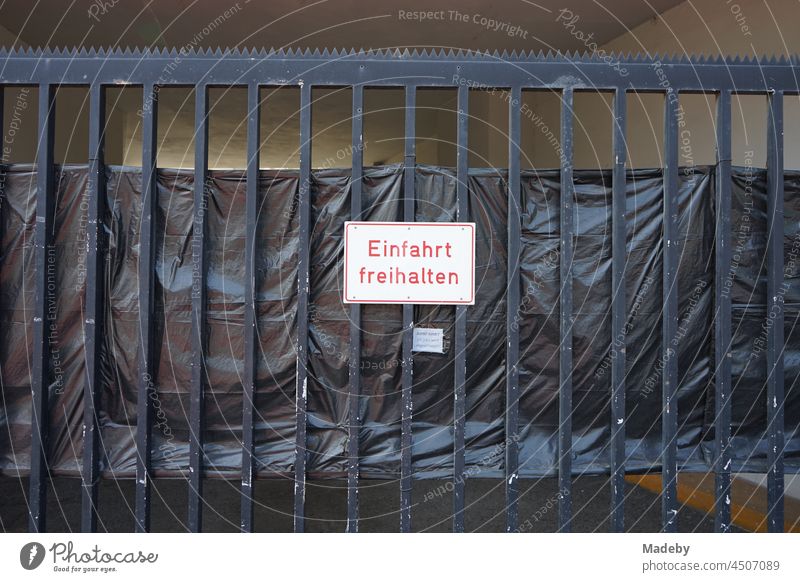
[[409, 262], [427, 339]]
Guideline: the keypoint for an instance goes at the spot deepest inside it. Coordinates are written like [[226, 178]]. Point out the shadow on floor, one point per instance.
[[326, 506]]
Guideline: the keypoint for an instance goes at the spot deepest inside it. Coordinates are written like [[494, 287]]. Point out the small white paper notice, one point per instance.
[[427, 339]]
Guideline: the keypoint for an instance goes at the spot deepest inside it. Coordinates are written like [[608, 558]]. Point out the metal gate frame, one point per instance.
[[409, 70]]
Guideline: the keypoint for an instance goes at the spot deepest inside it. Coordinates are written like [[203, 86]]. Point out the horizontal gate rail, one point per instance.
[[395, 68], [150, 70]]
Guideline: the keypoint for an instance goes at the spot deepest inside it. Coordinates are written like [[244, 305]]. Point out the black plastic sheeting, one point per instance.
[[276, 256]]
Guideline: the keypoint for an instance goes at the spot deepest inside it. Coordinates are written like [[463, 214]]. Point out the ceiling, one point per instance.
[[473, 24]]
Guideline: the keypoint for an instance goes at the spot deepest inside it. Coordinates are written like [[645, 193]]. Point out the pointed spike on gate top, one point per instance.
[[325, 54]]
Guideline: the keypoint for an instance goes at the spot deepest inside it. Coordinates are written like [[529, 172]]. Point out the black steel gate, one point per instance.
[[410, 71]]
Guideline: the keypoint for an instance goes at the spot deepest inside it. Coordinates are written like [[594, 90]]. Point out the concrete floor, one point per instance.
[[326, 506]]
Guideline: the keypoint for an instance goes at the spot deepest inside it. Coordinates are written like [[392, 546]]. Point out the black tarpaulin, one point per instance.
[[276, 281]]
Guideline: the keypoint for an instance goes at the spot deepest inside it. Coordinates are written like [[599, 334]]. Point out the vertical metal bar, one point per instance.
[[45, 291], [669, 321], [93, 321], [304, 213], [147, 372], [354, 380], [776, 289], [722, 321], [196, 402], [565, 319], [250, 328], [408, 316], [514, 234], [618, 314], [460, 389]]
